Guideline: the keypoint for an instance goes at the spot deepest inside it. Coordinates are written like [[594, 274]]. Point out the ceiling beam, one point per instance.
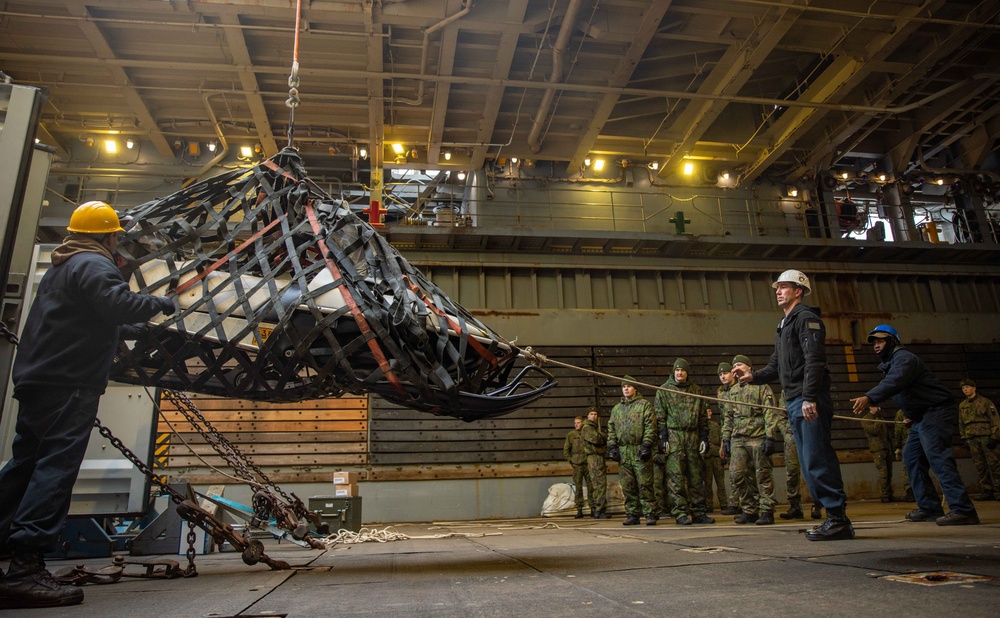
[[376, 87], [243, 64], [439, 113], [104, 52], [729, 76], [620, 77]]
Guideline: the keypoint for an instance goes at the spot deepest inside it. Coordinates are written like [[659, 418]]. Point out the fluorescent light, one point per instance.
[[110, 146], [246, 152], [688, 169], [598, 165], [397, 148]]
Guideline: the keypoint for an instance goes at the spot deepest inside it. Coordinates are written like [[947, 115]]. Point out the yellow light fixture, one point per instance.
[[793, 192], [940, 181], [110, 146], [397, 148], [688, 169], [598, 165], [844, 175], [246, 152]]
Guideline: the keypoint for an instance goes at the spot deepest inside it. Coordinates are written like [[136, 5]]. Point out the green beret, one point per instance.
[[725, 368], [681, 363], [739, 358]]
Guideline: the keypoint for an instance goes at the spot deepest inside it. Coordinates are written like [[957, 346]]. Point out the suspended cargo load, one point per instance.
[[285, 295]]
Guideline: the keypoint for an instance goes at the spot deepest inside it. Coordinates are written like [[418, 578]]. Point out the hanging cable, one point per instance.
[[293, 100]]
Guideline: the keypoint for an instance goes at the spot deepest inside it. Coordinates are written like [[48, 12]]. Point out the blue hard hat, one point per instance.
[[881, 332]]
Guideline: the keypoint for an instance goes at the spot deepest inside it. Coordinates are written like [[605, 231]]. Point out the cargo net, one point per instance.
[[286, 295]]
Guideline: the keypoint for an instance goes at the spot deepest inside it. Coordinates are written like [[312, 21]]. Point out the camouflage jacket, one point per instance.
[[594, 440], [723, 393], [632, 421], [573, 448], [978, 417], [879, 435], [744, 421], [902, 431], [681, 413], [714, 439]]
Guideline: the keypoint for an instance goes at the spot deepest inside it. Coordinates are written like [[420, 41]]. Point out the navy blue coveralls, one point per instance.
[[799, 361], [60, 372], [930, 405]]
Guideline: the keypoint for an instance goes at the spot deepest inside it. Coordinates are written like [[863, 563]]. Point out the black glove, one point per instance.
[[768, 446], [131, 332], [613, 453], [993, 443], [645, 451], [727, 447], [167, 305], [662, 446]]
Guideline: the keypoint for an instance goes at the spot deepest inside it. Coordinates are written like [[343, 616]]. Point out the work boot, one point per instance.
[[746, 518], [837, 527], [683, 520], [817, 511], [650, 520], [886, 499], [702, 519], [730, 510], [909, 496], [593, 513], [957, 519], [631, 520], [794, 510], [601, 515], [579, 514], [29, 584], [765, 519], [922, 515]]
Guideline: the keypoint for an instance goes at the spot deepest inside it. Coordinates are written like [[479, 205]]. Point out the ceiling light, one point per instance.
[[513, 160], [725, 175], [688, 169], [881, 177], [397, 148], [90, 142], [793, 192], [178, 144], [363, 153], [447, 155], [844, 175], [653, 165], [586, 162], [414, 153], [598, 165], [129, 143], [246, 152], [940, 181], [110, 146], [212, 145], [461, 175], [257, 148]]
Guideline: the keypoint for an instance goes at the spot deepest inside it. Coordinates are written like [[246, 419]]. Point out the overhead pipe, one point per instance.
[[558, 64], [425, 52]]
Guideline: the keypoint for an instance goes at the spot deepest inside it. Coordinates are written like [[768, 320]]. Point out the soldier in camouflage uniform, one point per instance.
[[728, 380], [900, 436], [793, 475], [979, 426], [574, 453], [594, 443], [684, 438], [749, 433], [713, 464], [880, 445], [631, 436]]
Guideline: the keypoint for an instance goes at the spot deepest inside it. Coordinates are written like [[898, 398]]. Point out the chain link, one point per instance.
[[8, 334]]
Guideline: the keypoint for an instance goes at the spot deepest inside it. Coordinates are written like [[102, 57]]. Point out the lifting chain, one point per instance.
[[8, 334]]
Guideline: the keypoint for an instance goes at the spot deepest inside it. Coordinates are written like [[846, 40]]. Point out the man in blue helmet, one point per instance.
[[931, 411], [799, 362]]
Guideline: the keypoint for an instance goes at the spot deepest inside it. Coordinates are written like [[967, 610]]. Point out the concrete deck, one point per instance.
[[566, 567]]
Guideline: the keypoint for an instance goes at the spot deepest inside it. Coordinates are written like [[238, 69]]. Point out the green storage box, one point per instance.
[[338, 512]]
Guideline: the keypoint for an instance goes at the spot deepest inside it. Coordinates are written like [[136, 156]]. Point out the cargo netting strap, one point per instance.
[[285, 294]]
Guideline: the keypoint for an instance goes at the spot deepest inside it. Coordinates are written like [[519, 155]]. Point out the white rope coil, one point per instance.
[[374, 535]]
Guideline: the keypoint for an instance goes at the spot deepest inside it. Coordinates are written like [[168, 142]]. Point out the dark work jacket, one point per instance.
[[72, 331], [911, 385], [799, 358]]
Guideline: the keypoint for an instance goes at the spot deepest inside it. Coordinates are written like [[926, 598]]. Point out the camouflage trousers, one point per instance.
[[637, 482], [685, 475], [581, 474], [660, 494], [883, 464], [714, 472], [987, 462], [750, 466], [793, 476], [599, 479]]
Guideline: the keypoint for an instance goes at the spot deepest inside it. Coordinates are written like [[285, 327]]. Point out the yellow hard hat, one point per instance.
[[94, 218]]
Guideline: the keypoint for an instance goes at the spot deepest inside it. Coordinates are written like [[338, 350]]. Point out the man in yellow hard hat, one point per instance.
[[61, 370]]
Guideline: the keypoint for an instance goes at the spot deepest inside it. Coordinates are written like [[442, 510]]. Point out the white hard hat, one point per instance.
[[794, 276]]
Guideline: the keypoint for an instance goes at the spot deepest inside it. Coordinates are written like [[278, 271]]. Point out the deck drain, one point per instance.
[[938, 578], [707, 550]]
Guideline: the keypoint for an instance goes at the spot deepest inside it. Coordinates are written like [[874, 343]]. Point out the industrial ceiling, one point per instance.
[[775, 89]]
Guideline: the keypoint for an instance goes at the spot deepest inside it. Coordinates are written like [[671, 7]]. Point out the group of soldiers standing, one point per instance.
[[671, 451]]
